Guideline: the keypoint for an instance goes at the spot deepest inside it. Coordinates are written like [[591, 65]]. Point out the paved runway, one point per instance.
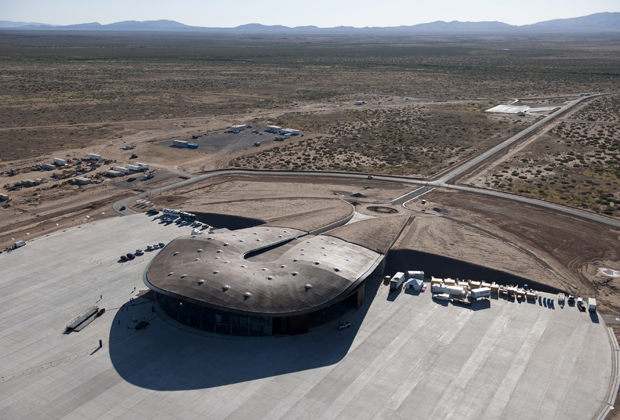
[[405, 357]]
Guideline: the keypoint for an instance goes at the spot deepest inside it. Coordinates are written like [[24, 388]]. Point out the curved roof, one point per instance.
[[312, 272]]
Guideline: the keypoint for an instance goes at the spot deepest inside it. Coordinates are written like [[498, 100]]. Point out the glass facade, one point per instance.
[[215, 321]]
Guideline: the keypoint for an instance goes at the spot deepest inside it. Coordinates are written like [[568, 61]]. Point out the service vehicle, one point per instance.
[[397, 280], [344, 325], [481, 292], [580, 304], [571, 299], [463, 302], [561, 298], [591, 304]]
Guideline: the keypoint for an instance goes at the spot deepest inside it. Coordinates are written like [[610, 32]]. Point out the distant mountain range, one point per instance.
[[598, 22]]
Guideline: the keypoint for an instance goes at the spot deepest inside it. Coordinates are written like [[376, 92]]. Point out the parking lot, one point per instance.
[[404, 357], [223, 142]]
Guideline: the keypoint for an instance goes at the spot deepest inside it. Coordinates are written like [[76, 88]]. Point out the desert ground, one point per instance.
[[423, 114]]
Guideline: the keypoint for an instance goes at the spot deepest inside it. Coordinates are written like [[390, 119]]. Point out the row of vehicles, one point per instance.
[[139, 252]]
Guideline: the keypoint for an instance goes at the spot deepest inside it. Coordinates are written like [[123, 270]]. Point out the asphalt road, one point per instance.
[[480, 158]]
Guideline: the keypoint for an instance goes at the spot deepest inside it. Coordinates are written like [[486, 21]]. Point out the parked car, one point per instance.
[[149, 248], [344, 325], [130, 256], [139, 252], [580, 304], [132, 179], [571, 299], [124, 258], [161, 244], [123, 208], [155, 246]]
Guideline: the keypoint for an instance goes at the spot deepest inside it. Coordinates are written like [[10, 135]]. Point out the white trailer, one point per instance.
[[170, 212], [591, 304], [451, 290], [397, 280], [93, 156], [481, 292], [415, 275], [273, 129], [134, 168], [121, 169], [60, 161], [143, 165]]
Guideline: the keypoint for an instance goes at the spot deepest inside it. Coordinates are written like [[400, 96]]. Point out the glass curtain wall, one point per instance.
[[215, 321]]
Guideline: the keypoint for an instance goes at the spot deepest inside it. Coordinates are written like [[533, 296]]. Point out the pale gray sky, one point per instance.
[[322, 13]]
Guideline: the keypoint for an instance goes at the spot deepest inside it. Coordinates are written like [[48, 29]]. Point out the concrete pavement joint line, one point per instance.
[[614, 384], [505, 390]]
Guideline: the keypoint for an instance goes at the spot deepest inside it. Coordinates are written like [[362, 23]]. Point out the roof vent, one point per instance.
[[226, 287], [200, 281], [219, 251], [336, 269], [234, 234], [171, 273], [269, 277], [325, 255], [196, 259], [225, 262], [279, 236], [282, 266], [294, 273], [268, 229], [303, 249], [215, 271], [241, 240], [264, 269], [258, 239], [243, 265], [333, 242], [303, 253], [175, 253], [286, 231], [209, 237], [200, 250], [322, 247], [308, 286], [247, 295], [317, 262], [225, 243], [295, 260], [255, 233], [217, 258], [183, 276], [322, 239]]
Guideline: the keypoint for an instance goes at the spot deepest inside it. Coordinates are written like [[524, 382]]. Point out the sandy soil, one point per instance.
[[375, 234]]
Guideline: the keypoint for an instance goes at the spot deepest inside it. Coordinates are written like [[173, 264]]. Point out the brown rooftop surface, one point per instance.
[[277, 287]]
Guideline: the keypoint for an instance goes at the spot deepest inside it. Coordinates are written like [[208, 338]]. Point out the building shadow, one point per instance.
[[175, 357], [440, 266]]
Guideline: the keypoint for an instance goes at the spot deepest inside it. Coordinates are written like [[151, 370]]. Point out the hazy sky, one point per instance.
[[322, 13]]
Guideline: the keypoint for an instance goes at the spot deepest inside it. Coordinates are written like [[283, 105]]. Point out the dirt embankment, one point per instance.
[[555, 249]]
